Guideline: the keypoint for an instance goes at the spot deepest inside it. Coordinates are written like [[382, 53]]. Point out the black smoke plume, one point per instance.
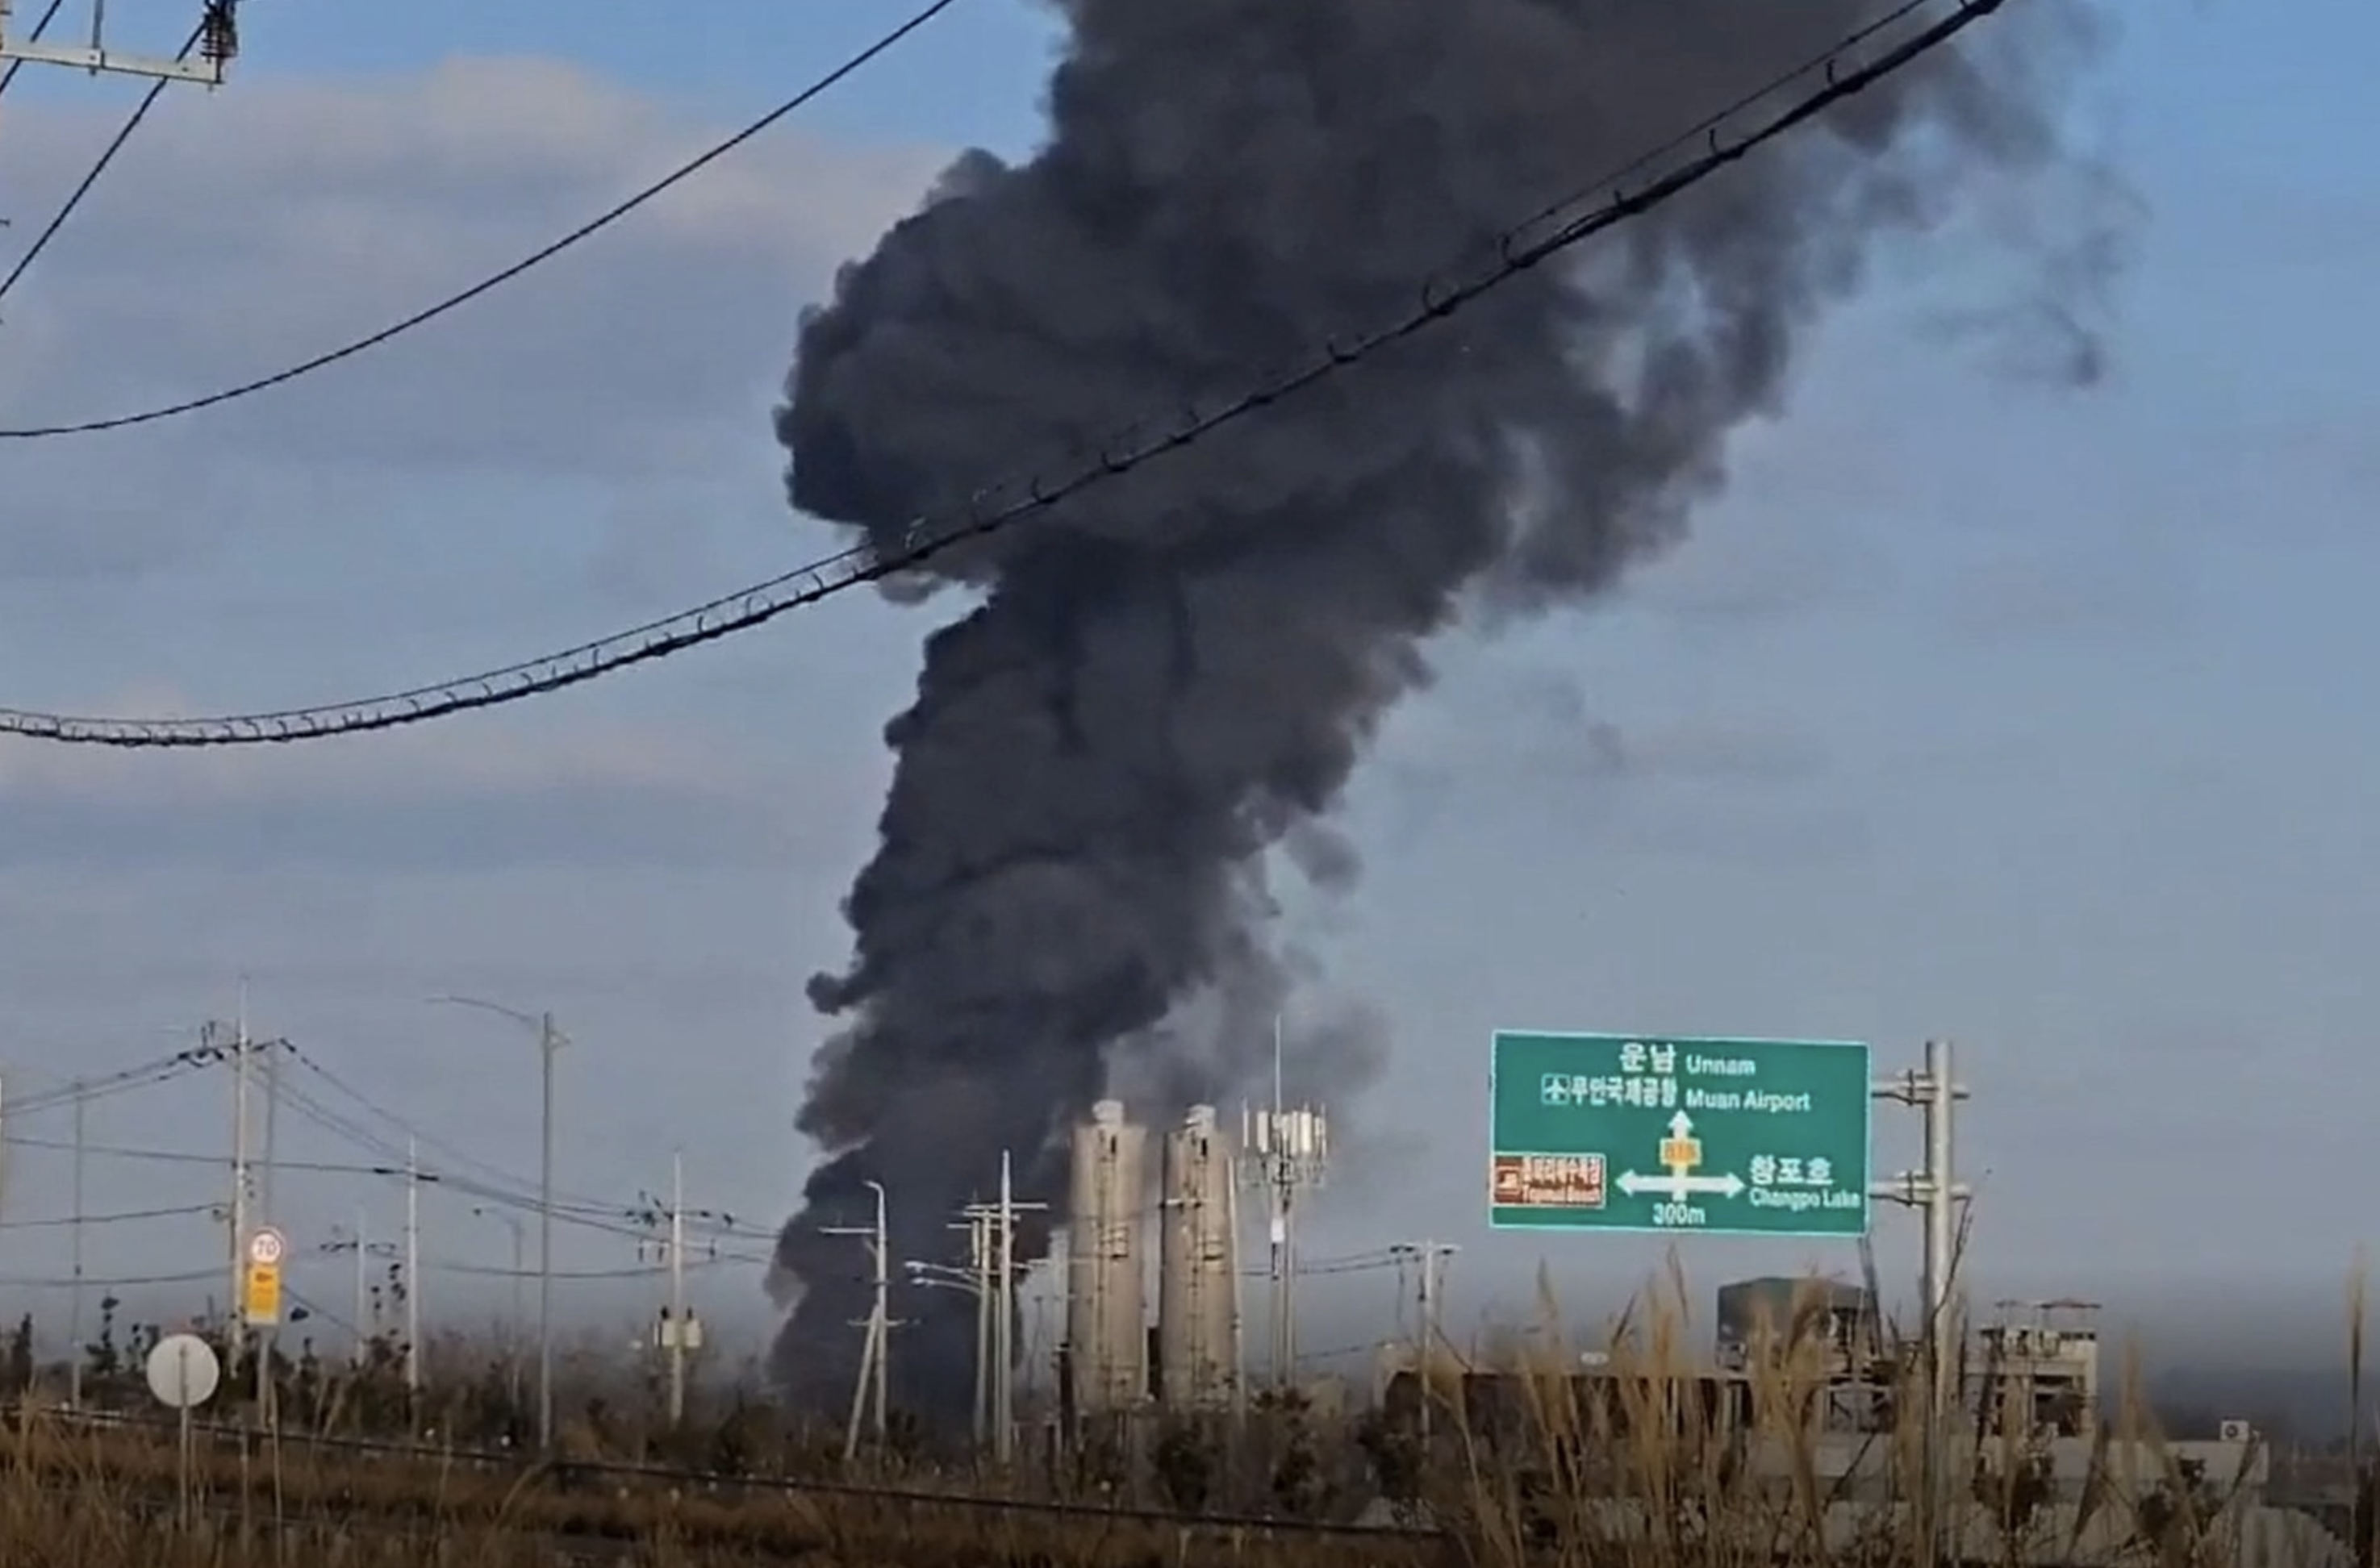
[[1161, 681]]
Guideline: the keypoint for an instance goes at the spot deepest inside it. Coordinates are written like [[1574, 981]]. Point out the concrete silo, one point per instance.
[[1107, 1306], [1197, 1304]]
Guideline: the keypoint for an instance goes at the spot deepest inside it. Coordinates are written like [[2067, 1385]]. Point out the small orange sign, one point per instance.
[[261, 1295], [1681, 1153], [1546, 1181]]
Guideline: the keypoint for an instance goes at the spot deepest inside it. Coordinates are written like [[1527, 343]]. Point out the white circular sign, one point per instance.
[[182, 1372], [266, 1246]]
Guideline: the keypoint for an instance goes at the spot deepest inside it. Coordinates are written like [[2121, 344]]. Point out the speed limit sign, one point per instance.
[[266, 1246]]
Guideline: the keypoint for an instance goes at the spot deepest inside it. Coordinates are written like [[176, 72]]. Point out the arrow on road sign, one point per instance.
[[1682, 1152], [1677, 1186]]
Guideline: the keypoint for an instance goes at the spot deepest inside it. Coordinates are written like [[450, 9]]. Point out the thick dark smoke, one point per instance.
[[1178, 673]]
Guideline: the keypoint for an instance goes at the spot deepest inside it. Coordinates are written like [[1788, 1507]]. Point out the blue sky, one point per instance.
[[1976, 709]]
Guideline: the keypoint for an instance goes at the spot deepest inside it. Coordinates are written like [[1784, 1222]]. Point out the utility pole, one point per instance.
[[549, 1044], [881, 1388], [1432, 1257], [1285, 1239], [868, 1390], [209, 52], [236, 1337], [364, 1285], [677, 1318], [978, 1229], [677, 1331], [1003, 1323], [74, 1304], [1004, 1330], [412, 1268], [363, 1289], [1936, 1190]]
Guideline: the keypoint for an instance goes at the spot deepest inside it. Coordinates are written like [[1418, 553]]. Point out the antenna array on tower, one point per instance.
[[1284, 1152]]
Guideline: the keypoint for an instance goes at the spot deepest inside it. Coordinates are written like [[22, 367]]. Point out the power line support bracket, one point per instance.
[[213, 48]]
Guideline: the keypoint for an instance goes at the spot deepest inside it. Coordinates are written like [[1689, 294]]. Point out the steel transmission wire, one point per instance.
[[8, 77], [492, 1182], [454, 1153], [122, 1217], [1519, 250], [165, 1069], [92, 178], [615, 1222], [538, 258], [395, 1170]]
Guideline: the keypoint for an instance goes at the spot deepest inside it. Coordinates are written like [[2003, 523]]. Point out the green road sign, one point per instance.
[[1629, 1132]]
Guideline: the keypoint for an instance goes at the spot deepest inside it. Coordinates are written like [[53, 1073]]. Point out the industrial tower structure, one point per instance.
[[1198, 1269], [1194, 1360], [215, 43], [1107, 1290]]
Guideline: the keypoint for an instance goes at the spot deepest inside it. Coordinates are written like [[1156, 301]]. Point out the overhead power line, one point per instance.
[[538, 258], [641, 1272], [145, 1075], [438, 1146], [92, 177], [614, 1222], [123, 1216], [1517, 251], [492, 1182], [8, 77], [121, 1282], [393, 1171], [617, 1221], [209, 1275]]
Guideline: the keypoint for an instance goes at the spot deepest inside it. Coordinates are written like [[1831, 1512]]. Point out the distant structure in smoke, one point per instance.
[[1107, 1264], [1161, 686], [1200, 1363]]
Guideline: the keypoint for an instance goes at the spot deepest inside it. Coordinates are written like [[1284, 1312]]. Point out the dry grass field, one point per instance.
[[1647, 1471]]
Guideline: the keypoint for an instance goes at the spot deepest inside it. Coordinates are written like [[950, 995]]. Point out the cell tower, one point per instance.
[[1285, 1153], [214, 44]]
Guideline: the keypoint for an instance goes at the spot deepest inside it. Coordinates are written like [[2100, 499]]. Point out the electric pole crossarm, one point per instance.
[[206, 61], [208, 73]]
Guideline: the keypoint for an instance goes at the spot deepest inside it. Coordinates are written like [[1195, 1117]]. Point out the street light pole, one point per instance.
[[549, 1042], [976, 1281]]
